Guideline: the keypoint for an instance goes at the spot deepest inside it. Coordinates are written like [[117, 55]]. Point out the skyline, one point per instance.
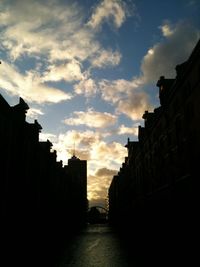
[[88, 71]]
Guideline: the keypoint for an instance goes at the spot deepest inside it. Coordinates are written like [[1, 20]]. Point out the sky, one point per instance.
[[88, 71]]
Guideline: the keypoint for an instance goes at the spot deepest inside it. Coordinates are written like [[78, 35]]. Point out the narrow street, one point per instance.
[[97, 246]]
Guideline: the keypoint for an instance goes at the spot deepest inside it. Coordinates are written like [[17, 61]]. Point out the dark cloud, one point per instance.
[[105, 172]]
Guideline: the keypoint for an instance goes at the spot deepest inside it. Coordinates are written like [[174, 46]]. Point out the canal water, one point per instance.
[[97, 246]]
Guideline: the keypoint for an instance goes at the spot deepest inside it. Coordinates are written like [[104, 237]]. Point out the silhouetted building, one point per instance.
[[159, 176], [38, 197], [76, 170]]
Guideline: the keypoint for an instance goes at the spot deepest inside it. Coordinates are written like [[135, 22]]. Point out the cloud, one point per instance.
[[109, 10], [83, 141], [61, 35], [70, 71], [105, 172], [128, 130], [41, 31], [108, 155], [162, 58], [113, 91], [29, 86], [128, 96], [167, 29], [106, 58], [87, 87], [98, 192], [33, 113], [92, 118], [60, 43], [47, 136], [135, 105]]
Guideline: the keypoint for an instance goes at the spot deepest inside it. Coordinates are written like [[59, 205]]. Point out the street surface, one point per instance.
[[96, 246]]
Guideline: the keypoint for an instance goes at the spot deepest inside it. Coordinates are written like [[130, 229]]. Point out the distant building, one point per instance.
[[76, 170]]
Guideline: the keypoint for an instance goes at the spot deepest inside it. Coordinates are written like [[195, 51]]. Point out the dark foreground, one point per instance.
[[102, 246], [97, 246]]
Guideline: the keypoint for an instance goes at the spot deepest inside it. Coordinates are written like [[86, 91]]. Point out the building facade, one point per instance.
[[160, 174], [38, 194]]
